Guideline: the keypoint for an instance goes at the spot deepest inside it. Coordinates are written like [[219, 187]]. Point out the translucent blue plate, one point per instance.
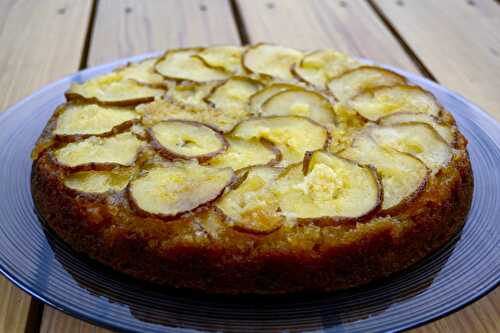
[[41, 264]]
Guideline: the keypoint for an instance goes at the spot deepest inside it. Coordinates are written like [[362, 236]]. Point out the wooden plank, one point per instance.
[[42, 41], [352, 26], [348, 26], [56, 321], [131, 27], [14, 307], [460, 44]]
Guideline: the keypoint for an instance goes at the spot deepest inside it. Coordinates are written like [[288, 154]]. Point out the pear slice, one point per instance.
[[242, 153], [99, 181], [417, 139], [382, 101], [181, 64], [184, 139], [403, 176], [113, 89], [252, 207], [355, 81], [235, 92], [293, 135], [329, 190], [226, 57], [170, 191], [80, 120], [261, 96], [271, 60], [447, 132], [318, 67], [303, 103], [99, 153], [142, 72]]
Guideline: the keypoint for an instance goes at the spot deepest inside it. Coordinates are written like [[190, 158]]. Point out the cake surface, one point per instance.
[[257, 169]]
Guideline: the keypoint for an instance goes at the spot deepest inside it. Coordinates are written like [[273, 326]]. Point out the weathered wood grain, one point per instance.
[[458, 40], [34, 52], [56, 321], [41, 42], [348, 26], [130, 27]]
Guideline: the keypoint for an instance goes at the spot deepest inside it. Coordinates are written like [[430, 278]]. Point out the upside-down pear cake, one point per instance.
[[258, 169]]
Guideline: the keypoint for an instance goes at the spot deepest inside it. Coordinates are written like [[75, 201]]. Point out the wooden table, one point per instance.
[[454, 42]]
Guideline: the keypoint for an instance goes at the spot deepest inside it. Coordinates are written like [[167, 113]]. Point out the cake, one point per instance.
[[258, 169]]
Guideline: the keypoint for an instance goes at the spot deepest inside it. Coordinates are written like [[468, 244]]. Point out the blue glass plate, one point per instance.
[[41, 264]]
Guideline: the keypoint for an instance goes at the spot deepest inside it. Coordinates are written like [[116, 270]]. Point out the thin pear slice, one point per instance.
[[329, 190], [303, 103], [382, 101], [77, 120], [271, 60], [181, 64], [293, 135], [99, 181], [183, 139], [235, 92], [142, 72], [113, 89], [261, 96], [355, 81], [170, 191], [225, 57], [447, 132], [417, 139], [252, 207], [242, 153], [403, 176], [99, 153], [318, 67]]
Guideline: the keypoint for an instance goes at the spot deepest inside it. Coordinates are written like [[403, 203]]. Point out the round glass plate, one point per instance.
[[41, 264]]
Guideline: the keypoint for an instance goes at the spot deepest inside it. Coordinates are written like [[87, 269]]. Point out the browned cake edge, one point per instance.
[[89, 227]]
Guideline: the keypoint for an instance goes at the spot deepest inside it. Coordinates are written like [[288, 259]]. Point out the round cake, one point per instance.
[[257, 169]]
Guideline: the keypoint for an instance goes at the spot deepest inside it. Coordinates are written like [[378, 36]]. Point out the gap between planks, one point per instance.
[[88, 35], [242, 31], [406, 47]]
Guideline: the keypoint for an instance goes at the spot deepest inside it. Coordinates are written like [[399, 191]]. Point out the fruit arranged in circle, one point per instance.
[[252, 169]]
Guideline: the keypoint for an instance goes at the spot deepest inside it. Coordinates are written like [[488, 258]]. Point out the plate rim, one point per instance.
[[414, 78]]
